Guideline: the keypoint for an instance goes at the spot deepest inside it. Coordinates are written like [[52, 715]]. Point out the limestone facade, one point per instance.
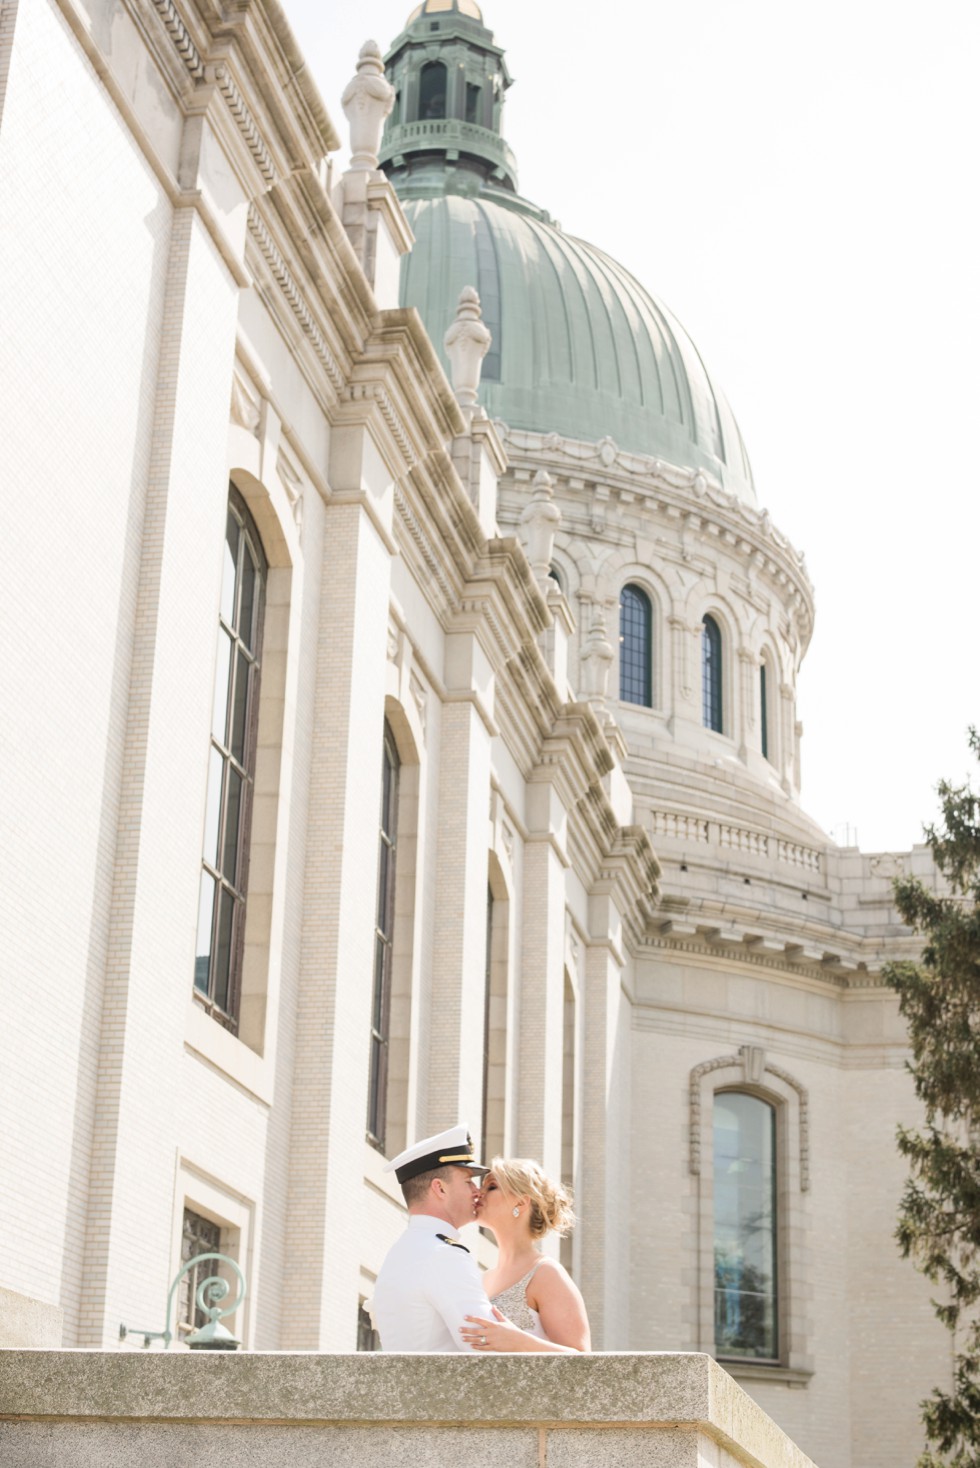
[[195, 297]]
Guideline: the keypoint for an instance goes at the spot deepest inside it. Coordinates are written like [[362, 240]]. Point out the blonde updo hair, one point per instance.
[[551, 1202]]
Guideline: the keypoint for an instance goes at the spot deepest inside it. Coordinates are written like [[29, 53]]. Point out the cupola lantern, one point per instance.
[[449, 79]]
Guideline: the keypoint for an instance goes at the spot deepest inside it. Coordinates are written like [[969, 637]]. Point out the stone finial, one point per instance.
[[540, 519], [596, 660], [368, 98], [467, 342]]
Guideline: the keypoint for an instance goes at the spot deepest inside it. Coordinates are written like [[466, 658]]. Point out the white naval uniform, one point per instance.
[[425, 1288]]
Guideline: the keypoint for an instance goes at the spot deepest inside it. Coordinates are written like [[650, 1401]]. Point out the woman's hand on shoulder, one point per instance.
[[558, 1300]]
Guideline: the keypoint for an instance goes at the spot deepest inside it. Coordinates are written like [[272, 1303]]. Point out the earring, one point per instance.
[[517, 1213]]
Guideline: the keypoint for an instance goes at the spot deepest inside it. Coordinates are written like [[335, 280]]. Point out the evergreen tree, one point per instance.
[[939, 1217]]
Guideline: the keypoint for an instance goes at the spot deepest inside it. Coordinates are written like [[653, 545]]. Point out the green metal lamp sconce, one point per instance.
[[208, 1296]]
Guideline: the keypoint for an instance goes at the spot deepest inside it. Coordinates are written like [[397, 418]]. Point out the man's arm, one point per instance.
[[455, 1290]]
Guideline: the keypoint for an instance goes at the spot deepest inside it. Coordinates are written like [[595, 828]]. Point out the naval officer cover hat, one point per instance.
[[452, 1148]]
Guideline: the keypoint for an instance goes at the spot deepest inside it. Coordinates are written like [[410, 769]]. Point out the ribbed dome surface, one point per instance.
[[579, 347]]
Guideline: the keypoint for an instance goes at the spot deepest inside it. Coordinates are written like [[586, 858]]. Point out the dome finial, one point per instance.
[[368, 98], [467, 342]]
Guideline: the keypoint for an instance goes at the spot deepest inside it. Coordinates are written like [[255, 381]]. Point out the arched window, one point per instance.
[[231, 771], [711, 693], [473, 109], [383, 935], [764, 707], [432, 90], [746, 1313], [635, 646]]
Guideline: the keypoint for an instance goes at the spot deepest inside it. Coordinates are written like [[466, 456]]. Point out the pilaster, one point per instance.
[[788, 737], [603, 1193], [157, 854], [748, 665], [542, 992], [337, 952], [458, 979]]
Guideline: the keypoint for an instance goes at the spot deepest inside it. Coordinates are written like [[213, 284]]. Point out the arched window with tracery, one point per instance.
[[711, 682], [231, 769], [745, 1227], [635, 647]]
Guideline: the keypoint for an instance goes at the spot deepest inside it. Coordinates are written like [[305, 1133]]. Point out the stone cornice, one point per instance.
[[396, 378], [687, 498], [574, 755], [295, 297], [502, 594], [249, 58], [758, 939], [629, 872]]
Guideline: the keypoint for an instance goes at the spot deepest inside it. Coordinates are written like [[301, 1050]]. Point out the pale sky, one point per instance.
[[799, 185]]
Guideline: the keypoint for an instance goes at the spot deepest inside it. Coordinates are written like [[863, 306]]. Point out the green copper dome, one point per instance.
[[579, 347]]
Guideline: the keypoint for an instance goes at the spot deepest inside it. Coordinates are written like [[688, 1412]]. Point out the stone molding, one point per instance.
[[245, 122], [181, 38], [754, 1067], [750, 1070], [268, 49], [217, 74], [574, 755], [690, 496], [631, 868], [792, 959], [295, 299]]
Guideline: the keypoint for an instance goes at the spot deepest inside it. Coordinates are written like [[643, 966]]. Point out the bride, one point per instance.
[[537, 1305]]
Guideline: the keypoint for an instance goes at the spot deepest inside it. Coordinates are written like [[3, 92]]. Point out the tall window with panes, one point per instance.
[[711, 687], [635, 647], [383, 935], [231, 769], [745, 1231]]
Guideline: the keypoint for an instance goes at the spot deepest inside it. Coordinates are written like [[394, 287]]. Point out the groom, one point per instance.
[[429, 1280]]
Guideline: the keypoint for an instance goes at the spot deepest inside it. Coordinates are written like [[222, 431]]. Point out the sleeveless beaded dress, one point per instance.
[[513, 1303]]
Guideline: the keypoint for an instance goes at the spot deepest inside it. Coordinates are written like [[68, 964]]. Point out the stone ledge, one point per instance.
[[654, 1391]]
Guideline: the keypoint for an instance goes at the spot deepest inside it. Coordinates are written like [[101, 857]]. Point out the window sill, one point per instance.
[[211, 1042], [790, 1376]]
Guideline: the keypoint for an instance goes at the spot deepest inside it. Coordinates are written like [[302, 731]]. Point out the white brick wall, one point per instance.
[[82, 286]]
